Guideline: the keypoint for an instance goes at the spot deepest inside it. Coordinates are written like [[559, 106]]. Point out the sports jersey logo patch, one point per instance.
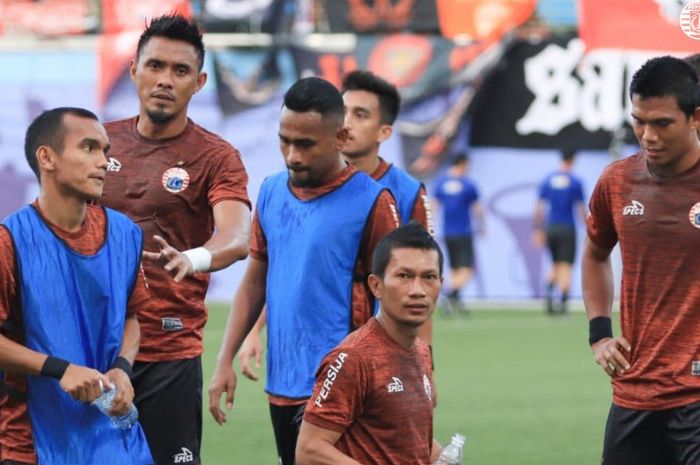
[[694, 216], [113, 165], [428, 214], [560, 182], [695, 368], [396, 385], [172, 324], [452, 187], [185, 456], [634, 209], [175, 180], [428, 388], [331, 375], [395, 214]]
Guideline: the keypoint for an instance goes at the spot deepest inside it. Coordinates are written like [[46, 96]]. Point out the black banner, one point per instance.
[[553, 94]]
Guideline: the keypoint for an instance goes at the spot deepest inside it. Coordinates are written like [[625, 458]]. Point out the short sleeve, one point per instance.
[[339, 391], [383, 219], [543, 190], [258, 242], [600, 224], [229, 180], [8, 285], [140, 296], [578, 195], [422, 211]]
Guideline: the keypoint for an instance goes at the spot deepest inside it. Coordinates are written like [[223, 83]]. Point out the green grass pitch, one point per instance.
[[522, 386]]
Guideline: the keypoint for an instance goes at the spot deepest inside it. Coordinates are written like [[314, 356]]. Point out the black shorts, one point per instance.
[[460, 250], [286, 422], [12, 462], [169, 399], [561, 240], [653, 437]]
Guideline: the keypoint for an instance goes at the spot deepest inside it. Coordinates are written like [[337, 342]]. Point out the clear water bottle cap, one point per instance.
[[110, 386], [458, 439]]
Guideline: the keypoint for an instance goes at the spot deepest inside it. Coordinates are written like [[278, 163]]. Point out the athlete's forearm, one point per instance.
[[131, 339], [316, 446], [229, 243], [598, 287], [18, 358], [538, 217], [321, 453], [245, 310], [436, 451], [260, 322], [582, 212], [479, 215]]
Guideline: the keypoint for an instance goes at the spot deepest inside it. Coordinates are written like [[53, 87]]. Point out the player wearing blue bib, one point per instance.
[[371, 107], [71, 328]]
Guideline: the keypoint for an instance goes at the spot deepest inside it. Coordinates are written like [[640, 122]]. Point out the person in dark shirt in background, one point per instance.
[[458, 198], [560, 196]]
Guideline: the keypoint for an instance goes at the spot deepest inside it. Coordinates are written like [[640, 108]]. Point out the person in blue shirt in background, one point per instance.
[[560, 193], [458, 198]]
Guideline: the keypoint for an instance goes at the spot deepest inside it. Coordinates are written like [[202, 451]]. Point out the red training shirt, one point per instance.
[[378, 395], [657, 225], [168, 187]]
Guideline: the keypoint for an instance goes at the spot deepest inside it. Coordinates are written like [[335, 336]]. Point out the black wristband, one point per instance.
[[432, 360], [599, 328], [54, 367], [124, 365]]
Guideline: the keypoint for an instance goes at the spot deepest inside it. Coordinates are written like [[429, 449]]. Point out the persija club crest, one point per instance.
[[175, 180]]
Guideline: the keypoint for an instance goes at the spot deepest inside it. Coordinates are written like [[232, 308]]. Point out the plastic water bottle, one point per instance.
[[452, 454], [104, 404]]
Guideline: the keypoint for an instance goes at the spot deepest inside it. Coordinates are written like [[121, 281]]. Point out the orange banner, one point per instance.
[[634, 24]]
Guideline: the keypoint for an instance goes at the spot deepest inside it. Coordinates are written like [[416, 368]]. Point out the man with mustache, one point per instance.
[[180, 182], [371, 107], [314, 232]]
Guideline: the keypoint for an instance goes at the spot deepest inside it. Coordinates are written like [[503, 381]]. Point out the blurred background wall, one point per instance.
[[512, 82]]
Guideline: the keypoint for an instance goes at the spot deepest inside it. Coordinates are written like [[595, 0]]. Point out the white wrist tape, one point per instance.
[[200, 259]]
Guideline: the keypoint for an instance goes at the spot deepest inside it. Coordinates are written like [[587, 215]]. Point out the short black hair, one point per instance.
[[408, 236], [173, 27], [568, 154], [459, 159], [388, 95], [315, 94], [694, 62], [667, 76], [48, 129]]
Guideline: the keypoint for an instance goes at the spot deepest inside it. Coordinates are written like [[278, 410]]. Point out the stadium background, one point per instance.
[[512, 81]]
